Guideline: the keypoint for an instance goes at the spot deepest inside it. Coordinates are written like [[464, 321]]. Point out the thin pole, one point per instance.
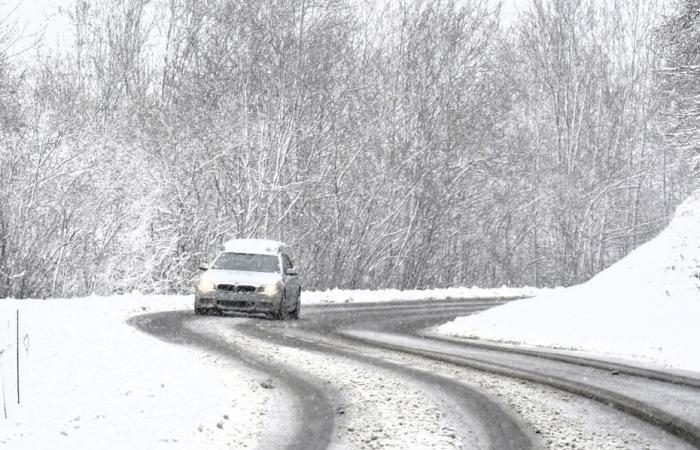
[[17, 356], [2, 383], [2, 373]]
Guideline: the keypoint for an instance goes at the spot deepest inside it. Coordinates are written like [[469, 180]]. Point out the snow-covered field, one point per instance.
[[89, 380], [645, 307]]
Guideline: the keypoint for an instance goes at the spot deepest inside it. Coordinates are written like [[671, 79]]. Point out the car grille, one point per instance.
[[241, 289], [235, 304]]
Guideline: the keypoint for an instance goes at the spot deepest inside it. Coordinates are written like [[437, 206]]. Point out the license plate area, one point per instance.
[[235, 304]]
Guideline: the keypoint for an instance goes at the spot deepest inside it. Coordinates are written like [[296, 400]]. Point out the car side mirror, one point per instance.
[[292, 272], [204, 266]]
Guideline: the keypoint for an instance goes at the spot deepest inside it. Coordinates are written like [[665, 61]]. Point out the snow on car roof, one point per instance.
[[255, 246]]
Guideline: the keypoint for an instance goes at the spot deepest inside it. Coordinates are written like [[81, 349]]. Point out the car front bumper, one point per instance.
[[251, 303]]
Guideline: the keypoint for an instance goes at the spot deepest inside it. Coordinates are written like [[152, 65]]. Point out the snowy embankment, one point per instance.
[[392, 295], [89, 380], [645, 307]]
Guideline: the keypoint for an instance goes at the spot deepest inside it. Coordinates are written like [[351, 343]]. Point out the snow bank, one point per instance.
[[392, 295], [645, 307]]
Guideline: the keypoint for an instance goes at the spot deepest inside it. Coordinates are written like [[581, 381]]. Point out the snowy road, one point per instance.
[[364, 376]]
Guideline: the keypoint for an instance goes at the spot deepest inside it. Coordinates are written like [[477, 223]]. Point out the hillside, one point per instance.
[[646, 306]]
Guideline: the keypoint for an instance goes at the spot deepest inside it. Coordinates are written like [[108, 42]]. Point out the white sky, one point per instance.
[[41, 16], [33, 18]]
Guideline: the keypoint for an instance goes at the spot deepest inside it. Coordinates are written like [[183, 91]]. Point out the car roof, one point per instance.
[[254, 246]]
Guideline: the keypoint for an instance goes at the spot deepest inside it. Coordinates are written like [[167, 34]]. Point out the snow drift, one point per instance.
[[645, 307]]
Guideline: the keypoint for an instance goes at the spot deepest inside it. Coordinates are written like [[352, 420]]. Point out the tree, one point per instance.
[[680, 73]]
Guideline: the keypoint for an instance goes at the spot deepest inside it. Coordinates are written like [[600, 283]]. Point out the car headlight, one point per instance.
[[271, 290], [205, 286]]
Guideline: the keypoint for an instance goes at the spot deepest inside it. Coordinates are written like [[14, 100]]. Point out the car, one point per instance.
[[251, 276]]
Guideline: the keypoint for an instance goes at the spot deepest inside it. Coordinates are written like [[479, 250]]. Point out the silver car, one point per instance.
[[253, 276]]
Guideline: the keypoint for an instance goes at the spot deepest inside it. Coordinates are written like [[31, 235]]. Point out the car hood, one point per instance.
[[218, 276]]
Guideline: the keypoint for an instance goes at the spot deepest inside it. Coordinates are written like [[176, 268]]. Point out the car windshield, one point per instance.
[[247, 262]]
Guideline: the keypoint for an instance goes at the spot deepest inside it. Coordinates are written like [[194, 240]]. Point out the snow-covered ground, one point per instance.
[[645, 307], [89, 380]]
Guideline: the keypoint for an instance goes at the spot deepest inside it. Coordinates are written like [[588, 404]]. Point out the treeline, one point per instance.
[[410, 144]]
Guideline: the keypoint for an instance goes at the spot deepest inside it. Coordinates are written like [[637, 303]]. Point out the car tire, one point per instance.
[[297, 311], [198, 311], [281, 314], [295, 314]]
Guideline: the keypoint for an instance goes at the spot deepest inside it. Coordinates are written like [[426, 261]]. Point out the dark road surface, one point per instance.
[[669, 402]]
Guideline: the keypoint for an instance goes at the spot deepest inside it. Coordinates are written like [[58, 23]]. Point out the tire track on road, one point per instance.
[[679, 419], [314, 404], [503, 429]]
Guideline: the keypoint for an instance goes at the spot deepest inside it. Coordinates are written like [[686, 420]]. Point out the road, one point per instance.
[[371, 376]]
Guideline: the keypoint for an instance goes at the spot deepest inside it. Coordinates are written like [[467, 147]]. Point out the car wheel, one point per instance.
[[297, 310], [198, 311], [281, 314], [295, 313]]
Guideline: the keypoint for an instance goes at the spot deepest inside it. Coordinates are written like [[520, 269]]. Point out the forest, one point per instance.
[[406, 144]]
